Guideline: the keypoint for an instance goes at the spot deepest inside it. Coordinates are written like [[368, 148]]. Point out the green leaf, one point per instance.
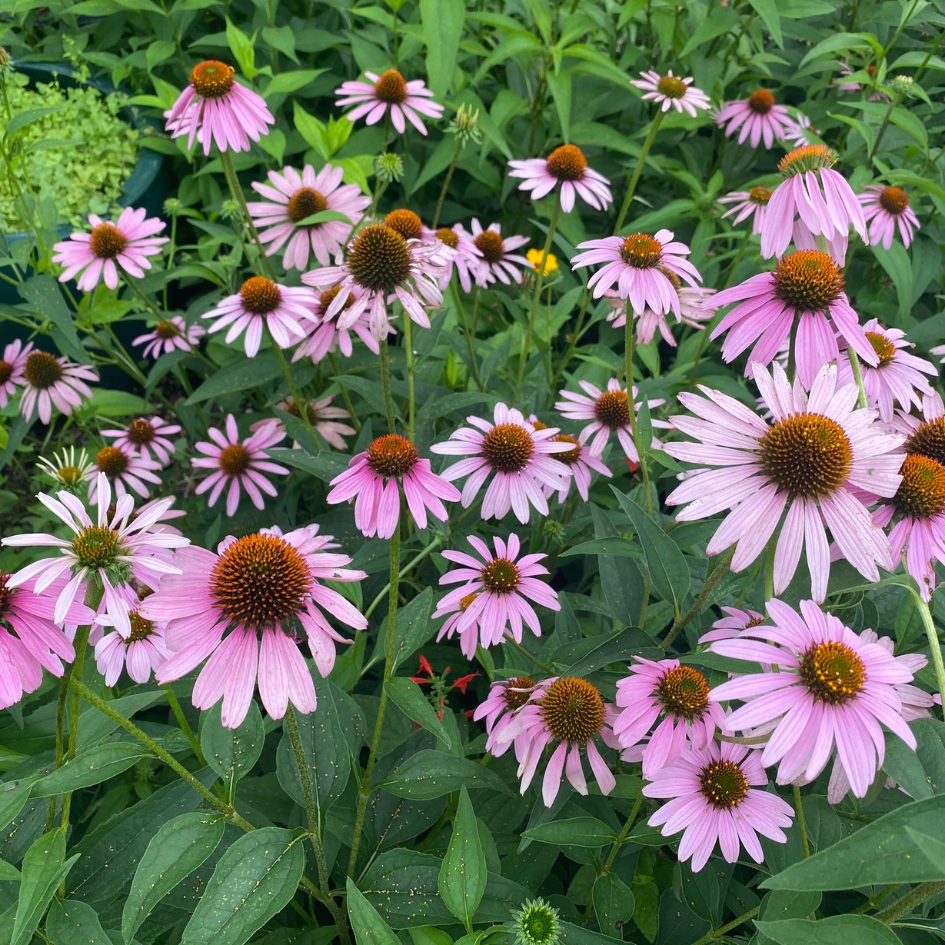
[[242, 48], [613, 903], [463, 874], [573, 831], [369, 928], [442, 29], [91, 766], [43, 296], [311, 129], [840, 42], [175, 851], [9, 872], [242, 375], [878, 854], [13, 798], [232, 752], [834, 930], [75, 922], [429, 774], [414, 628], [895, 261], [768, 11], [43, 870], [621, 547], [666, 564], [324, 216], [409, 698], [254, 880], [921, 773], [722, 20], [560, 86]]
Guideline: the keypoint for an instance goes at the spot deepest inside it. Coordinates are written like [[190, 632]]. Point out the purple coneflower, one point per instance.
[[389, 90], [749, 204], [566, 166], [146, 435], [884, 209], [670, 91], [50, 382], [498, 259], [11, 368], [756, 119], [172, 334]]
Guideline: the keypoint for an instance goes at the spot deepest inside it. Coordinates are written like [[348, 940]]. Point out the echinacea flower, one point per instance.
[[812, 200], [803, 295], [520, 459], [678, 694], [50, 382], [885, 209], [114, 549], [68, 468], [141, 652], [691, 313], [146, 435], [260, 302], [30, 639], [462, 255], [499, 261], [714, 798], [172, 334], [239, 463], [324, 419], [731, 625], [571, 714], [240, 610], [670, 91], [505, 697], [749, 204], [126, 243], [757, 118], [125, 469], [609, 412], [807, 468], [828, 689], [566, 166], [579, 461], [637, 265], [379, 267], [897, 377], [292, 198], [374, 479], [871, 71], [493, 600], [328, 336], [214, 107], [389, 90], [11, 368]]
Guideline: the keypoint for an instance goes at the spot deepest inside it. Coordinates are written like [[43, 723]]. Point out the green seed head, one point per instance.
[[536, 923]]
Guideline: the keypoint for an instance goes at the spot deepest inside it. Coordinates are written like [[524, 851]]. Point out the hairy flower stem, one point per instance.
[[801, 822], [536, 295], [188, 732], [229, 171], [411, 393], [858, 377], [300, 402], [628, 338], [389, 653], [769, 567], [385, 387], [409, 566], [638, 170], [461, 311], [446, 182], [707, 589], [725, 929], [622, 836], [910, 901], [935, 646]]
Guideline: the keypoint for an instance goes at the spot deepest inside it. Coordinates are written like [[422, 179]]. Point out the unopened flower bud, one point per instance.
[[465, 125], [388, 167]]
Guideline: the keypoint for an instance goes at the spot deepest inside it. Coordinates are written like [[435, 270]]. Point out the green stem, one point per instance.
[[171, 251], [638, 170], [910, 901], [572, 344], [345, 396], [232, 180], [411, 394], [461, 311], [893, 102], [707, 589], [178, 711], [446, 182], [300, 402], [725, 929], [410, 565], [622, 836], [769, 567], [801, 822], [60, 738], [389, 652], [385, 387], [546, 667], [857, 376], [536, 295], [935, 647], [628, 338]]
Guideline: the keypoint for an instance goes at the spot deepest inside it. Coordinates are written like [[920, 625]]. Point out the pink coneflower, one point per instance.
[[324, 419], [749, 204], [117, 544], [241, 610], [11, 368], [53, 382], [381, 266], [566, 166], [292, 198], [670, 91], [173, 334], [462, 255], [239, 463], [498, 259], [846, 69], [609, 412], [802, 131], [804, 294], [885, 208], [215, 107], [146, 435], [680, 694], [261, 302], [327, 337], [374, 479], [570, 712], [897, 377], [714, 798], [141, 652], [128, 242], [494, 599], [691, 313], [389, 90], [807, 466], [830, 689], [578, 461], [758, 118], [731, 625], [812, 198], [638, 266], [506, 697], [126, 470], [520, 457]]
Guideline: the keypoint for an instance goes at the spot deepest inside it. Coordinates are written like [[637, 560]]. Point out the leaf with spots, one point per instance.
[[369, 927], [430, 773], [90, 767], [44, 867], [463, 875], [72, 921], [232, 752], [254, 880], [175, 851]]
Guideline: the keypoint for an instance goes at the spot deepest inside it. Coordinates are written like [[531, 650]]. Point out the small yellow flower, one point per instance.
[[535, 256]]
